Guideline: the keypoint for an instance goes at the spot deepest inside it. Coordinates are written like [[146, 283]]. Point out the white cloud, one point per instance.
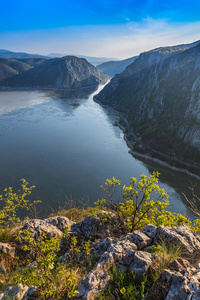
[[111, 41]]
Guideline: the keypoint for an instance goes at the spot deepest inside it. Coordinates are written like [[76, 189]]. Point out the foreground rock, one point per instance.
[[51, 227], [18, 292], [120, 252], [110, 246], [180, 282], [60, 222], [7, 249], [128, 253], [181, 236]]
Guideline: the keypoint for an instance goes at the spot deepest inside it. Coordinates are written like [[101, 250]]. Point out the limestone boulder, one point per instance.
[[96, 227], [7, 249], [137, 262], [60, 222], [18, 292], [181, 236], [38, 228]]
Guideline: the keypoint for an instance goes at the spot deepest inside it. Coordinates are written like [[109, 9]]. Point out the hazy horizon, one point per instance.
[[106, 28]]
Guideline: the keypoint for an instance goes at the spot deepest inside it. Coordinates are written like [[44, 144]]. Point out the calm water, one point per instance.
[[66, 144]]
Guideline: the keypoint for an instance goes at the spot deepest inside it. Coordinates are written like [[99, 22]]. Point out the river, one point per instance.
[[66, 145]]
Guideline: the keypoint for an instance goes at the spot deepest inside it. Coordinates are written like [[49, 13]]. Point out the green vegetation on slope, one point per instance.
[[65, 72], [159, 93], [58, 280]]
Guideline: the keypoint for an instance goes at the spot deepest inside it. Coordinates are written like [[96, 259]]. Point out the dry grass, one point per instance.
[[166, 253], [74, 214]]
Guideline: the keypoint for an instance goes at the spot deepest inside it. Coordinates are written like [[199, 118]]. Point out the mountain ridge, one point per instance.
[[160, 95], [65, 72]]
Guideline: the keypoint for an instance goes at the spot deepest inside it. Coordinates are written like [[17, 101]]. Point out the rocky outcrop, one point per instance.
[[50, 227], [111, 247], [18, 292], [97, 227], [128, 254], [60, 222], [7, 249], [181, 236], [180, 282]]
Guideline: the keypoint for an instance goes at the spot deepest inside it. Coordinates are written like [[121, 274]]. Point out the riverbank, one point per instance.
[[156, 160], [38, 88], [148, 156]]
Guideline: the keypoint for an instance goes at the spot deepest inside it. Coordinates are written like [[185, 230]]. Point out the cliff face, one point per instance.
[[160, 92], [65, 72]]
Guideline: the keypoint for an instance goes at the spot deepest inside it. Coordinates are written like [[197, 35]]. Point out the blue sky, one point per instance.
[[111, 28]]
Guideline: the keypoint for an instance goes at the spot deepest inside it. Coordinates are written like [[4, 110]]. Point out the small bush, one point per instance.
[[11, 202], [125, 287]]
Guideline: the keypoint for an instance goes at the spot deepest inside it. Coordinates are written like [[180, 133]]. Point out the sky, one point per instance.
[[102, 28]]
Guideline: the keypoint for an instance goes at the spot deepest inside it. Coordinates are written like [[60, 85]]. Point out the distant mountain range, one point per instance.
[[110, 66], [93, 60], [11, 54], [115, 67], [160, 95], [66, 72]]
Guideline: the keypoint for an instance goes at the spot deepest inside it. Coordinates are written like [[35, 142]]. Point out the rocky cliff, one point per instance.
[[160, 94], [66, 72], [129, 253]]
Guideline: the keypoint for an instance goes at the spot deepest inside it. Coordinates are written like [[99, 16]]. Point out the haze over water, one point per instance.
[[64, 143]]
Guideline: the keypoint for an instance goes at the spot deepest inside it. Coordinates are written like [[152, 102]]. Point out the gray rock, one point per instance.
[[2, 269], [109, 252], [137, 262], [97, 228], [38, 228], [181, 236], [60, 222], [150, 230], [18, 292], [179, 289], [168, 275], [185, 283], [194, 286], [101, 247], [140, 239], [183, 266], [97, 280], [6, 248], [33, 265]]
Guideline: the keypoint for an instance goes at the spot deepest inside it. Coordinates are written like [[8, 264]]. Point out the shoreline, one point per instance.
[[146, 156], [156, 160], [9, 88]]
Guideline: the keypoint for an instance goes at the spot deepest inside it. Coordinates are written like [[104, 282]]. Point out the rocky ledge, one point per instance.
[[111, 246]]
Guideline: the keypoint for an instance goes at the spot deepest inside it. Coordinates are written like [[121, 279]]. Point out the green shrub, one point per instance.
[[125, 287], [11, 202]]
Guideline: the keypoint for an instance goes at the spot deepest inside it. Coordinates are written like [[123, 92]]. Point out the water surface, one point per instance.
[[64, 143]]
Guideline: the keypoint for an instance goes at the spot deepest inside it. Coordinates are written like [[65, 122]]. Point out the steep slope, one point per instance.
[[160, 93], [65, 72], [11, 66], [115, 67], [32, 61]]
